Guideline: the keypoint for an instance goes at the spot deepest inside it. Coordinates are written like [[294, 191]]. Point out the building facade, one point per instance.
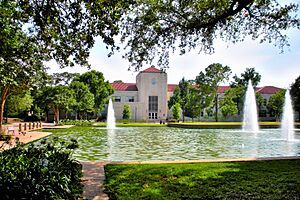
[[148, 97]]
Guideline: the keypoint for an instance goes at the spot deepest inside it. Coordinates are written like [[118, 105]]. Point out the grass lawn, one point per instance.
[[227, 180]]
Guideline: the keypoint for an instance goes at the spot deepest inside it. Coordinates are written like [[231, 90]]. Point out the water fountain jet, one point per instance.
[[111, 120], [250, 121], [287, 122]]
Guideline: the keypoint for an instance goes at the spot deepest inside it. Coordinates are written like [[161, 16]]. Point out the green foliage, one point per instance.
[[64, 78], [42, 171], [35, 31], [175, 98], [192, 108], [295, 93], [126, 112], [155, 28], [176, 111], [100, 88], [249, 74], [234, 96], [183, 95], [276, 179], [19, 103], [59, 97], [276, 102], [259, 100], [207, 84], [228, 107], [84, 99], [77, 122]]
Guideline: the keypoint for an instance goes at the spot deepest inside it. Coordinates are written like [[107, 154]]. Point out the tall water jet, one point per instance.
[[250, 122], [287, 122], [110, 120]]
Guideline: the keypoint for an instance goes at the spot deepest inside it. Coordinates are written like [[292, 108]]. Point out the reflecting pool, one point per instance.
[[163, 143]]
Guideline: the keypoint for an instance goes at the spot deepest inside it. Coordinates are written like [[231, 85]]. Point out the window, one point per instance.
[[265, 102], [117, 99], [130, 99], [153, 104], [262, 113], [152, 115]]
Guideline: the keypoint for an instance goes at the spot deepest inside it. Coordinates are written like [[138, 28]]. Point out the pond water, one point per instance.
[[162, 143]]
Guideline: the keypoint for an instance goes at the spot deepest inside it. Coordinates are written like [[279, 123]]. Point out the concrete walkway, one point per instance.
[[93, 180], [24, 138]]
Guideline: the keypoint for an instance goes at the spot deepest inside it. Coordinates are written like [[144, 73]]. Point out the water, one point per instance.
[[111, 120], [159, 143], [287, 122], [250, 121]]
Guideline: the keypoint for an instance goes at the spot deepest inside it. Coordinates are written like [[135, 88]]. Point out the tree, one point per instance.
[[209, 82], [118, 81], [176, 111], [155, 28], [233, 96], [175, 98], [126, 112], [65, 30], [84, 99], [228, 107], [60, 97], [64, 78], [295, 93], [36, 31], [181, 96], [20, 60], [276, 103], [100, 88], [192, 108], [19, 103], [249, 74]]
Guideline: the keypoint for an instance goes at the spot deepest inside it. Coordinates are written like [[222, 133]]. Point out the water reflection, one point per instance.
[[127, 144]]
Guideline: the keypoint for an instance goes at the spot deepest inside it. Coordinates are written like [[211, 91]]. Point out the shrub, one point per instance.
[[40, 171], [126, 112], [77, 122]]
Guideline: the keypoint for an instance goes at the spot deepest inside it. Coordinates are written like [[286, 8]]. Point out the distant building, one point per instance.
[[148, 97]]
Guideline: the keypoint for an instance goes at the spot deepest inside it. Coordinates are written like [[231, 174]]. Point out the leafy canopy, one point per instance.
[[276, 103], [155, 28], [295, 93], [100, 88]]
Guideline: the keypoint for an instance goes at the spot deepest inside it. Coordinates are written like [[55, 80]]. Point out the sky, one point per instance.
[[276, 68]]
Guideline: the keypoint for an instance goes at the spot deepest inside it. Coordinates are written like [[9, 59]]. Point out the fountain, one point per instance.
[[287, 122], [250, 122], [110, 120]]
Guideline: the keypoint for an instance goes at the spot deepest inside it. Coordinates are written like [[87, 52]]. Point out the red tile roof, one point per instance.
[[171, 87], [152, 69], [124, 86], [268, 90], [222, 89]]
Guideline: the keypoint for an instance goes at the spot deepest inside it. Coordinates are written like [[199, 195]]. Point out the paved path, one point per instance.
[[25, 138], [93, 180]]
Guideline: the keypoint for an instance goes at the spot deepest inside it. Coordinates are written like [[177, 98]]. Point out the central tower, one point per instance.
[[152, 85]]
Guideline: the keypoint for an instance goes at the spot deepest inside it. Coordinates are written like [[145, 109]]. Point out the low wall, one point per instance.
[[223, 126]]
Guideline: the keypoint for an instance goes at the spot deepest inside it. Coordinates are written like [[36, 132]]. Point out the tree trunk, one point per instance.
[[56, 115], [216, 107], [4, 96]]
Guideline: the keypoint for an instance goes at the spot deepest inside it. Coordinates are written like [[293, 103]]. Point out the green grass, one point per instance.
[[235, 180]]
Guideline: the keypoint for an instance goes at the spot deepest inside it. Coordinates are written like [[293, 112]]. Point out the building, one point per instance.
[[148, 97]]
